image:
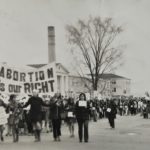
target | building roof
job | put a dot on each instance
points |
(37, 65)
(42, 65)
(112, 76)
(59, 64)
(102, 76)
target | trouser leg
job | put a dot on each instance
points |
(38, 130)
(15, 133)
(80, 129)
(34, 130)
(72, 128)
(58, 127)
(1, 132)
(112, 122)
(109, 120)
(54, 128)
(86, 134)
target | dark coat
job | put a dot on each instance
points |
(113, 112)
(70, 107)
(82, 112)
(55, 111)
(36, 104)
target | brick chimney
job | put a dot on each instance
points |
(51, 44)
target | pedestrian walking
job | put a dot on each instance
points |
(36, 104)
(56, 107)
(16, 112)
(82, 111)
(111, 113)
(70, 109)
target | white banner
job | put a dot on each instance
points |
(3, 116)
(24, 80)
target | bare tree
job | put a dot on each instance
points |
(94, 43)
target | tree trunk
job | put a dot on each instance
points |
(95, 86)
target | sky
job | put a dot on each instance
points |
(23, 32)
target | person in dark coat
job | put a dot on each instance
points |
(36, 104)
(55, 116)
(111, 113)
(82, 111)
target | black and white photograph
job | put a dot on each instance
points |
(74, 74)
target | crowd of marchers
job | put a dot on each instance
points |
(50, 115)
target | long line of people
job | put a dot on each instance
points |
(49, 114)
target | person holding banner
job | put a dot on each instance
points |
(3, 119)
(36, 104)
(70, 108)
(16, 114)
(82, 111)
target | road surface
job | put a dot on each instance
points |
(131, 133)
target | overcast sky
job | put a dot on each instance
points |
(23, 32)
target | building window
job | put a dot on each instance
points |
(113, 82)
(114, 90)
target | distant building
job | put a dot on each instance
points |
(119, 86)
(78, 84)
(110, 85)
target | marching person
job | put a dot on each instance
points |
(16, 113)
(55, 116)
(131, 106)
(36, 104)
(145, 110)
(70, 108)
(111, 113)
(120, 107)
(95, 109)
(126, 108)
(82, 111)
(2, 111)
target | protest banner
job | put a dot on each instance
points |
(3, 116)
(24, 80)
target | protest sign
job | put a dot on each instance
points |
(3, 116)
(24, 80)
(82, 104)
(70, 114)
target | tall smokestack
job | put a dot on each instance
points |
(51, 44)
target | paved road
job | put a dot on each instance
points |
(132, 132)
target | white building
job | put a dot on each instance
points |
(119, 86)
(110, 85)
